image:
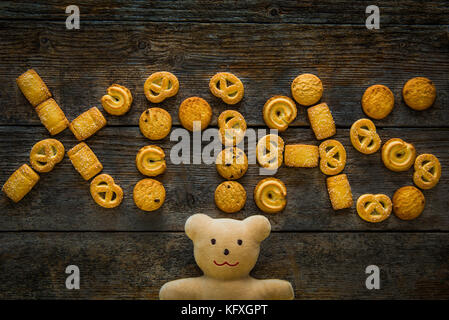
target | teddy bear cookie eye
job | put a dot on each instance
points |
(239, 242)
(212, 241)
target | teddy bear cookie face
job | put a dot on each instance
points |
(226, 249)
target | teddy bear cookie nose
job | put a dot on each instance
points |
(226, 252)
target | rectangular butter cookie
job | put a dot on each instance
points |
(33, 87)
(52, 117)
(339, 192)
(87, 123)
(321, 121)
(301, 156)
(20, 183)
(85, 161)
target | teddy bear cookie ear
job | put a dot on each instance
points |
(259, 226)
(195, 223)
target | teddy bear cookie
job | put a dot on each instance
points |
(270, 195)
(52, 116)
(227, 87)
(427, 171)
(195, 114)
(160, 85)
(117, 101)
(46, 154)
(307, 89)
(84, 161)
(33, 87)
(321, 121)
(377, 101)
(232, 163)
(87, 123)
(339, 192)
(149, 194)
(419, 93)
(155, 123)
(230, 196)
(279, 112)
(226, 250)
(374, 207)
(20, 183)
(270, 150)
(408, 203)
(364, 137)
(332, 157)
(150, 161)
(398, 155)
(301, 156)
(231, 127)
(105, 192)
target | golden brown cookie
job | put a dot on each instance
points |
(408, 203)
(117, 101)
(377, 101)
(279, 112)
(364, 137)
(84, 161)
(374, 207)
(33, 87)
(230, 196)
(195, 109)
(52, 117)
(231, 163)
(155, 123)
(321, 121)
(307, 89)
(301, 156)
(333, 157)
(149, 194)
(227, 87)
(150, 161)
(232, 127)
(427, 171)
(339, 192)
(20, 183)
(160, 85)
(419, 93)
(105, 192)
(270, 195)
(87, 123)
(46, 154)
(270, 151)
(398, 155)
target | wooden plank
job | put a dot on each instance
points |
(61, 200)
(303, 12)
(78, 66)
(136, 265)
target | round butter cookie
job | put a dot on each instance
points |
(149, 194)
(155, 123)
(230, 196)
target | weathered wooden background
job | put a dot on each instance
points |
(126, 253)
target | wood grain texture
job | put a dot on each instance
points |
(61, 200)
(78, 66)
(290, 11)
(136, 265)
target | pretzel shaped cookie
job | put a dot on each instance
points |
(374, 207)
(160, 85)
(227, 87)
(279, 112)
(427, 171)
(118, 100)
(150, 161)
(398, 155)
(105, 192)
(270, 151)
(333, 157)
(232, 127)
(270, 195)
(46, 154)
(364, 137)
